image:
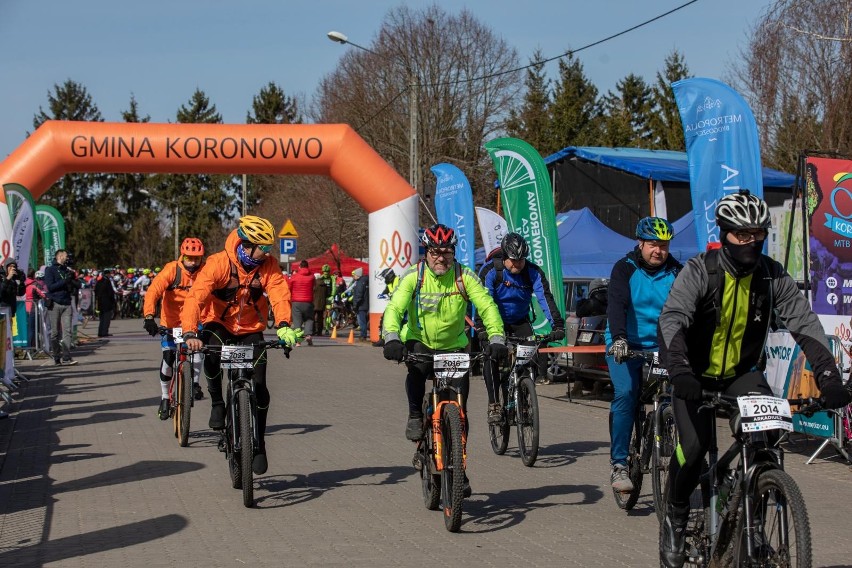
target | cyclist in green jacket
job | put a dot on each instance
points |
(434, 294)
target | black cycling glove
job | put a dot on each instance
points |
(394, 350)
(686, 387)
(151, 327)
(834, 394)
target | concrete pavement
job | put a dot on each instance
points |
(90, 477)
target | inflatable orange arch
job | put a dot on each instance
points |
(334, 150)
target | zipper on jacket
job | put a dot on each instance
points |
(730, 327)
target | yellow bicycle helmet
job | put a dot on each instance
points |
(256, 230)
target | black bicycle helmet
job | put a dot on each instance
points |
(514, 246)
(742, 210)
(439, 236)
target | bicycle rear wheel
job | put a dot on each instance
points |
(627, 500)
(499, 433)
(246, 446)
(452, 476)
(782, 535)
(665, 439)
(184, 401)
(527, 413)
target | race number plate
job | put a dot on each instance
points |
(658, 371)
(177, 334)
(585, 337)
(760, 413)
(236, 356)
(523, 353)
(451, 365)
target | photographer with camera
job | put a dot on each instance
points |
(62, 285)
(11, 284)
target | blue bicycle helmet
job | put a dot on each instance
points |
(654, 229)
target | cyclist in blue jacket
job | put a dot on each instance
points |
(638, 288)
(512, 280)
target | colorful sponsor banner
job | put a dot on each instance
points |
(829, 209)
(454, 206)
(52, 227)
(528, 198)
(790, 376)
(21, 326)
(23, 216)
(492, 227)
(393, 243)
(781, 238)
(7, 360)
(722, 148)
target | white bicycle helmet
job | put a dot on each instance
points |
(742, 210)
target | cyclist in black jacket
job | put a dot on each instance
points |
(713, 331)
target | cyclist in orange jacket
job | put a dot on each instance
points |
(230, 286)
(171, 286)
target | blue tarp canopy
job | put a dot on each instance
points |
(659, 165)
(589, 248)
(685, 243)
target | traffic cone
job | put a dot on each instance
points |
(351, 336)
(334, 332)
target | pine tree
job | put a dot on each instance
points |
(532, 120)
(272, 106)
(666, 128)
(627, 114)
(203, 202)
(575, 109)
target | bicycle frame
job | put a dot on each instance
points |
(756, 457)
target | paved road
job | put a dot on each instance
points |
(90, 477)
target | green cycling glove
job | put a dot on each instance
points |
(289, 336)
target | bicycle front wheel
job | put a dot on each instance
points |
(665, 442)
(184, 401)
(246, 444)
(452, 476)
(527, 420)
(782, 535)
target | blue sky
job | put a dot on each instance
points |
(162, 50)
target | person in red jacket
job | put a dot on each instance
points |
(302, 284)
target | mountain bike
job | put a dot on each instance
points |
(441, 455)
(239, 439)
(180, 386)
(516, 395)
(654, 436)
(751, 513)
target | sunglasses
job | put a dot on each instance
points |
(435, 253)
(264, 248)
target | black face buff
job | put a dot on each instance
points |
(744, 257)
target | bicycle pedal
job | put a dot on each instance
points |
(417, 461)
(221, 445)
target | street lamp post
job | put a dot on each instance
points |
(413, 110)
(175, 215)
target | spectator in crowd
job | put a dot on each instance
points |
(61, 285)
(35, 291)
(302, 298)
(361, 300)
(105, 299)
(322, 298)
